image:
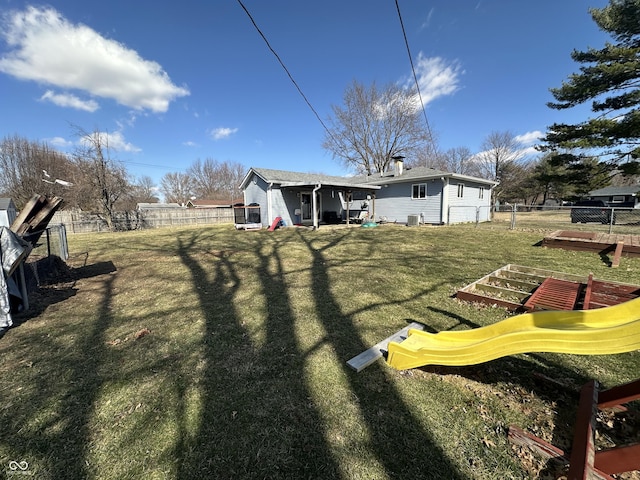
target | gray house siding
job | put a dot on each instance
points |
(256, 192)
(470, 206)
(395, 203)
(285, 201)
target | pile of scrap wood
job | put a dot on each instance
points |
(35, 216)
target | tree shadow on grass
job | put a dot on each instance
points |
(404, 447)
(258, 419)
(517, 378)
(57, 285)
(51, 430)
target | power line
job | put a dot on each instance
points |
(415, 77)
(284, 67)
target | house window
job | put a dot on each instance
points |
(419, 190)
(618, 198)
(481, 193)
(460, 190)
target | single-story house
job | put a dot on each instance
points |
(628, 196)
(412, 195)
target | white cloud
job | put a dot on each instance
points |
(529, 138)
(222, 132)
(70, 100)
(189, 143)
(117, 142)
(436, 78)
(47, 48)
(59, 142)
(529, 152)
(114, 141)
(427, 22)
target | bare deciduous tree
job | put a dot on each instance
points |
(498, 150)
(454, 160)
(216, 180)
(176, 187)
(375, 125)
(30, 168)
(145, 190)
(204, 177)
(142, 191)
(230, 176)
(103, 181)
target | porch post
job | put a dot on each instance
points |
(314, 205)
(373, 207)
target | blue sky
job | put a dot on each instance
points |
(173, 82)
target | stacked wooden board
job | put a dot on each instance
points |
(35, 216)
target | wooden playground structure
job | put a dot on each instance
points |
(585, 462)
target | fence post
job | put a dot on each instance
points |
(612, 216)
(514, 208)
(64, 246)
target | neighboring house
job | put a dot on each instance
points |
(212, 203)
(157, 206)
(8, 212)
(612, 196)
(428, 195)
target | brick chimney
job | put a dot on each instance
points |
(399, 165)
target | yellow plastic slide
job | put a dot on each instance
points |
(601, 331)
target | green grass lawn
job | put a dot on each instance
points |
(215, 353)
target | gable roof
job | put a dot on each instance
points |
(293, 179)
(423, 173)
(287, 178)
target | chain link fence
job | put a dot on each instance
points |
(52, 241)
(49, 252)
(622, 220)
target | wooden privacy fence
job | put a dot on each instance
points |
(80, 222)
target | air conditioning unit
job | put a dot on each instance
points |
(413, 220)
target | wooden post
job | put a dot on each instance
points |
(583, 448)
(617, 255)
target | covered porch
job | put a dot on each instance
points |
(315, 204)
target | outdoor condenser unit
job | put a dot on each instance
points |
(413, 220)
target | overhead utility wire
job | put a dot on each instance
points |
(283, 66)
(415, 77)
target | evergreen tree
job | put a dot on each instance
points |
(610, 79)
